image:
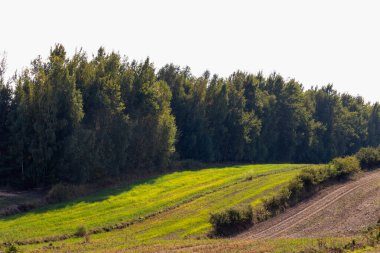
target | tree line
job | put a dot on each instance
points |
(79, 119)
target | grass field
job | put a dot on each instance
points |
(190, 245)
(194, 193)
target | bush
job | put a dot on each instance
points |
(231, 220)
(369, 158)
(346, 166)
(260, 214)
(309, 181)
(12, 249)
(62, 192)
(277, 204)
(81, 231)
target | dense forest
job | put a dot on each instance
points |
(81, 119)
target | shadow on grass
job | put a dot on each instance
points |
(125, 186)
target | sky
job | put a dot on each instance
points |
(315, 42)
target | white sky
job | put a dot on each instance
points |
(316, 42)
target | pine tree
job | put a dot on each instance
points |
(5, 111)
(374, 126)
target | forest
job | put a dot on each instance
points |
(80, 119)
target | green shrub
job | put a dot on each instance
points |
(231, 220)
(346, 166)
(296, 189)
(81, 231)
(369, 158)
(278, 203)
(12, 249)
(308, 182)
(305, 185)
(260, 214)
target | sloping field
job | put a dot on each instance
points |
(341, 210)
(181, 201)
(337, 214)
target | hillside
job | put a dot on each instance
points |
(178, 204)
(170, 214)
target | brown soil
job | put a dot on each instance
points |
(339, 210)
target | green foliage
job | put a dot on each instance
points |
(5, 130)
(154, 129)
(276, 204)
(305, 184)
(231, 220)
(302, 186)
(374, 126)
(308, 182)
(346, 166)
(189, 108)
(78, 120)
(48, 110)
(12, 249)
(81, 231)
(369, 158)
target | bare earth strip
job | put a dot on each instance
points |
(340, 210)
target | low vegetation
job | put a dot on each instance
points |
(175, 207)
(231, 220)
(304, 185)
(369, 158)
(309, 181)
(187, 196)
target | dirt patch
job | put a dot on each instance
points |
(340, 210)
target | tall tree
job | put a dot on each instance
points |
(154, 129)
(99, 147)
(189, 109)
(80, 120)
(5, 111)
(49, 110)
(374, 126)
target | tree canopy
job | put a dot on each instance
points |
(75, 119)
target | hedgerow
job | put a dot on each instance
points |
(369, 158)
(308, 182)
(231, 220)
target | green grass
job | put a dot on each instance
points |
(190, 245)
(209, 190)
(191, 219)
